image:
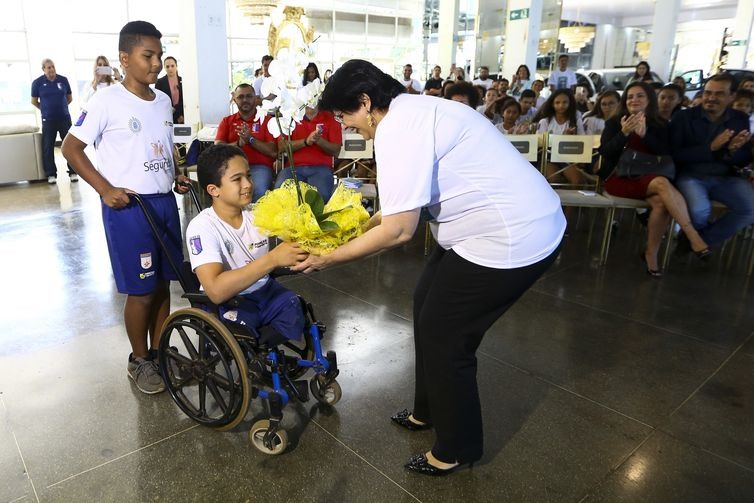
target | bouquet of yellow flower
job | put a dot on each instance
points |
(319, 228)
(296, 211)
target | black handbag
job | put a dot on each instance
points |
(633, 163)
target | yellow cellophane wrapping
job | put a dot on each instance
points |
(277, 213)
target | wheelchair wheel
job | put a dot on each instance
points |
(328, 394)
(257, 433)
(204, 369)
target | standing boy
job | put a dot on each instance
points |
(131, 127)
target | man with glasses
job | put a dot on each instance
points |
(711, 143)
(253, 137)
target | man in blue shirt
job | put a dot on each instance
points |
(711, 143)
(51, 94)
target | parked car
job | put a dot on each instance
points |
(614, 79)
(695, 79)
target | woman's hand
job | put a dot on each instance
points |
(628, 124)
(570, 130)
(641, 125)
(311, 264)
(287, 254)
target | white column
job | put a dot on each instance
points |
(447, 37)
(204, 62)
(522, 35)
(663, 36)
(742, 30)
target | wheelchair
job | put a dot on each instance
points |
(213, 367)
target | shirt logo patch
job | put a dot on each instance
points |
(81, 118)
(228, 246)
(195, 243)
(146, 275)
(146, 260)
(134, 125)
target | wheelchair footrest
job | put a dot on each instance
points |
(300, 390)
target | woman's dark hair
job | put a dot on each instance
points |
(354, 79)
(304, 80)
(651, 113)
(465, 89)
(528, 73)
(170, 57)
(213, 161)
(548, 109)
(647, 76)
(597, 109)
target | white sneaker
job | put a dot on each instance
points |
(52, 180)
(73, 177)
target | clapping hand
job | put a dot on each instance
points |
(242, 131)
(633, 124)
(739, 140)
(721, 139)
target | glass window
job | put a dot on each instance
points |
(165, 14)
(13, 16)
(96, 16)
(15, 86)
(13, 46)
(90, 45)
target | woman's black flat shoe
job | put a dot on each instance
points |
(420, 464)
(402, 419)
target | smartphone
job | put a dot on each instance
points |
(255, 127)
(320, 128)
(104, 70)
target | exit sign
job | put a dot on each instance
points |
(734, 43)
(519, 14)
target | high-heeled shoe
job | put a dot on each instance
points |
(655, 273)
(420, 464)
(703, 255)
(402, 419)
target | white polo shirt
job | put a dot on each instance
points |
(133, 138)
(489, 204)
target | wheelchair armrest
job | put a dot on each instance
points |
(198, 297)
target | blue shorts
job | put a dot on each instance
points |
(138, 261)
(272, 305)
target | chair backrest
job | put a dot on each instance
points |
(570, 148)
(526, 144)
(183, 133)
(356, 147)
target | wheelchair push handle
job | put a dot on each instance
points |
(194, 196)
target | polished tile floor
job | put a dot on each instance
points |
(601, 384)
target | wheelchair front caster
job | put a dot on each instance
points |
(328, 393)
(278, 442)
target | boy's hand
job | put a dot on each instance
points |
(288, 254)
(116, 198)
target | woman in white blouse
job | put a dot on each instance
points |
(498, 224)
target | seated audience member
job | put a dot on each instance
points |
(459, 74)
(583, 105)
(482, 92)
(445, 86)
(537, 86)
(710, 144)
(412, 85)
(463, 92)
(315, 142)
(669, 100)
(503, 87)
(678, 81)
(433, 86)
(559, 116)
(484, 79)
(521, 81)
(527, 100)
(744, 102)
(242, 129)
(605, 107)
(747, 84)
(510, 111)
(696, 100)
(490, 97)
(642, 73)
(242, 270)
(638, 126)
(311, 72)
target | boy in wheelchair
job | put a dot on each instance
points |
(232, 259)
